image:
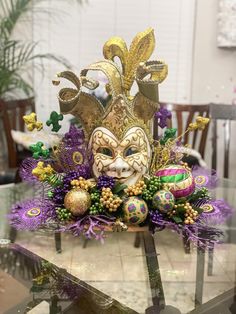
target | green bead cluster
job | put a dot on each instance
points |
(153, 185)
(205, 193)
(96, 207)
(63, 214)
(147, 195)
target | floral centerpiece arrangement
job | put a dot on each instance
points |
(110, 174)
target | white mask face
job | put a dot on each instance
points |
(126, 160)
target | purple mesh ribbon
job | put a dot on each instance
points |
(215, 211)
(204, 177)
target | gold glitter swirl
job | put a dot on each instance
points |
(33, 212)
(77, 158)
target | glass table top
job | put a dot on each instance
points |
(129, 273)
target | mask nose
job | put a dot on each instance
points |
(119, 166)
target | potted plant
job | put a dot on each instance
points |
(17, 61)
(17, 55)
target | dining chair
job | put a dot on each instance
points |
(182, 116)
(11, 118)
(226, 114)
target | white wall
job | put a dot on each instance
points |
(214, 72)
(79, 36)
(214, 69)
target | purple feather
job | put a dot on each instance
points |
(214, 211)
(204, 177)
(31, 214)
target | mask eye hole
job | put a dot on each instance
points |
(131, 151)
(105, 151)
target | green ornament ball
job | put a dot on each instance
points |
(163, 201)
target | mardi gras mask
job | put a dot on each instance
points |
(127, 160)
(118, 133)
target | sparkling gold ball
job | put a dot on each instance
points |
(77, 201)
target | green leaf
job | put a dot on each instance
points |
(119, 187)
(198, 209)
(180, 210)
(177, 219)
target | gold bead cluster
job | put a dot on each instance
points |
(136, 189)
(81, 183)
(42, 172)
(186, 166)
(190, 215)
(172, 212)
(109, 201)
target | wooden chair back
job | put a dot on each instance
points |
(11, 114)
(182, 116)
(227, 113)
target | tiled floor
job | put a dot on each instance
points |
(119, 269)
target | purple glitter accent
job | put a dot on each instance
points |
(105, 182)
(143, 208)
(157, 198)
(162, 115)
(90, 226)
(209, 175)
(168, 196)
(20, 216)
(221, 211)
(74, 137)
(131, 208)
(83, 171)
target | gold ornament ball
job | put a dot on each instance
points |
(77, 201)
